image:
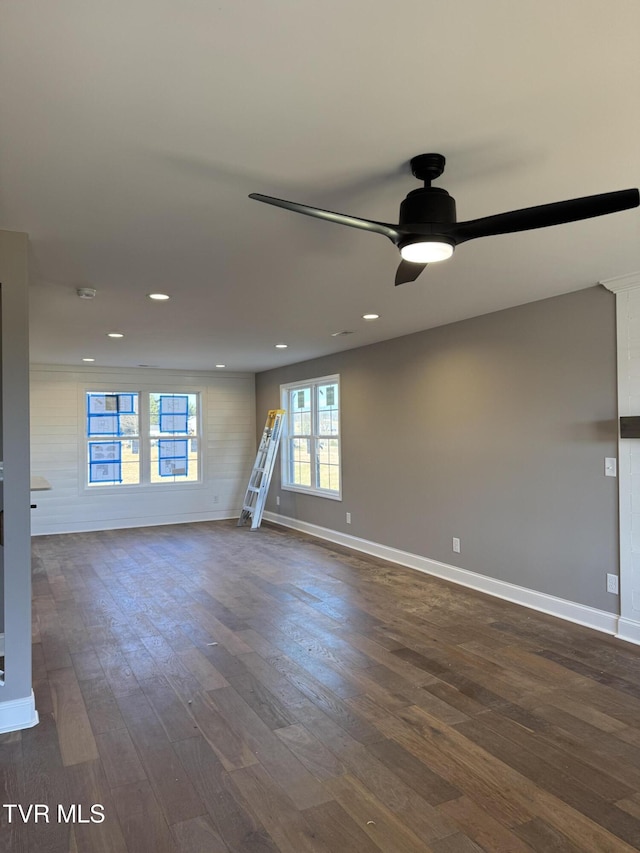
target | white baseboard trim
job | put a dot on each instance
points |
(126, 523)
(629, 630)
(590, 617)
(16, 714)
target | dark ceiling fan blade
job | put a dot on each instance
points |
(408, 271)
(545, 215)
(339, 218)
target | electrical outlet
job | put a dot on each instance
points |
(612, 584)
(277, 500)
(456, 544)
(348, 518)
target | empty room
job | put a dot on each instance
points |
(319, 426)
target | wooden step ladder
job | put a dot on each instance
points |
(256, 494)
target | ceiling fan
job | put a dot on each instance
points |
(428, 231)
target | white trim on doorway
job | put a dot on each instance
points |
(16, 714)
(627, 292)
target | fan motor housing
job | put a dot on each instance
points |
(426, 205)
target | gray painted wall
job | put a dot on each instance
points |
(495, 430)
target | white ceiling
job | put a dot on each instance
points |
(133, 130)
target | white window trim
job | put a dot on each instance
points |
(143, 391)
(284, 444)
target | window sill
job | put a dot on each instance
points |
(141, 487)
(316, 493)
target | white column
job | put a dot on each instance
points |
(627, 291)
(17, 706)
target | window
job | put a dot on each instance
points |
(173, 434)
(136, 438)
(311, 447)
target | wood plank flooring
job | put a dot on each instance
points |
(218, 690)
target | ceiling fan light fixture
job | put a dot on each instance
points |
(426, 251)
(428, 230)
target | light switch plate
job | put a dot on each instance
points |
(610, 466)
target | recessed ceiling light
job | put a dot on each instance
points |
(160, 297)
(370, 316)
(86, 292)
(281, 346)
(88, 359)
(115, 335)
(221, 365)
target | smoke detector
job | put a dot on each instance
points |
(86, 292)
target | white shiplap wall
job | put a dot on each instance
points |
(57, 450)
(627, 290)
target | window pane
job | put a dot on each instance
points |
(301, 423)
(328, 423)
(299, 399)
(300, 461)
(328, 464)
(112, 463)
(129, 424)
(173, 414)
(112, 413)
(174, 460)
(131, 461)
(300, 411)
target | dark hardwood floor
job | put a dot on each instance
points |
(217, 690)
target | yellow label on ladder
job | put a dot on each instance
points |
(271, 417)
